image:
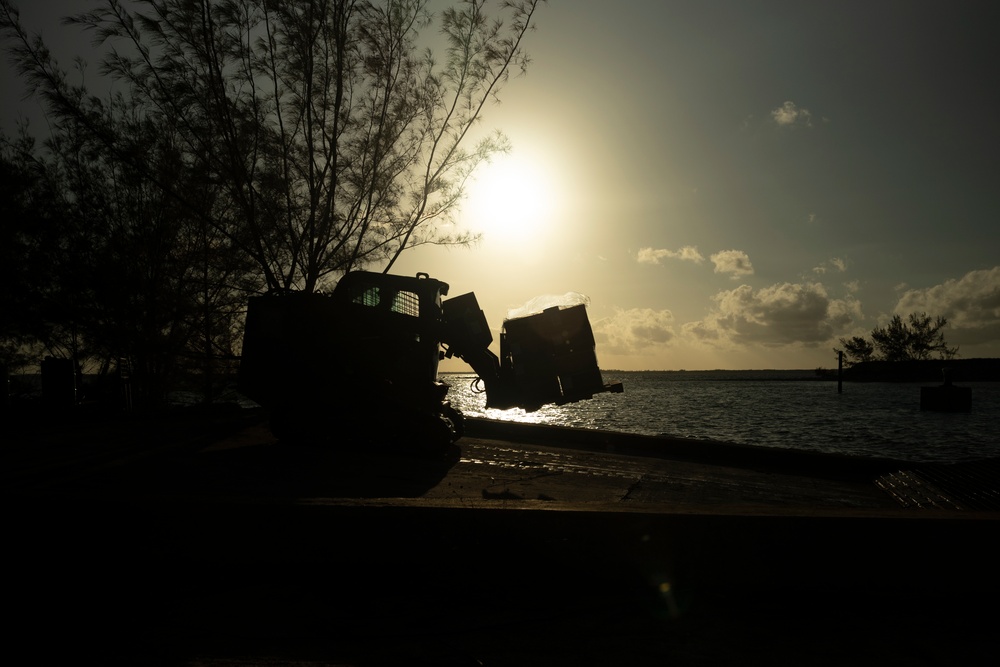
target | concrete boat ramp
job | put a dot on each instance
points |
(527, 546)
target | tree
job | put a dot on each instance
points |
(30, 229)
(332, 139)
(112, 277)
(919, 338)
(251, 145)
(927, 339)
(110, 271)
(857, 349)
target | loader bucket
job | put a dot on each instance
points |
(550, 357)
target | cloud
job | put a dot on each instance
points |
(654, 255)
(833, 264)
(629, 331)
(734, 262)
(789, 115)
(971, 304)
(702, 330)
(781, 314)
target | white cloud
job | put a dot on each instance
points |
(971, 304)
(833, 264)
(781, 314)
(735, 262)
(629, 331)
(654, 255)
(789, 115)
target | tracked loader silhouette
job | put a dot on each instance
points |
(362, 362)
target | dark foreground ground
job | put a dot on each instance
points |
(201, 541)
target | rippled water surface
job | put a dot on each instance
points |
(773, 409)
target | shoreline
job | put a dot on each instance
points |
(698, 450)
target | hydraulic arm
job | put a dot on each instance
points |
(546, 357)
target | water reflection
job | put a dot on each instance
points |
(867, 419)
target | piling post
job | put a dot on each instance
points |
(840, 371)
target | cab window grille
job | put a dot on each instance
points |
(367, 297)
(407, 303)
(402, 302)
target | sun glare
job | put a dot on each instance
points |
(511, 200)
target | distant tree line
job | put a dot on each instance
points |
(920, 337)
(250, 145)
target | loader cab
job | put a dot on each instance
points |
(392, 324)
(366, 355)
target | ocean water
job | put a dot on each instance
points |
(788, 409)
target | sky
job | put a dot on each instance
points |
(739, 183)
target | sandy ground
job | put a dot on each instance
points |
(207, 543)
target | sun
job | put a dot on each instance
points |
(511, 200)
